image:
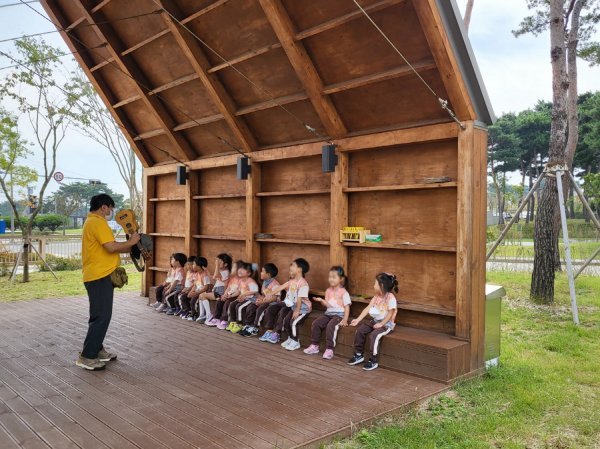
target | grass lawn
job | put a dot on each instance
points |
(43, 285)
(544, 394)
(579, 250)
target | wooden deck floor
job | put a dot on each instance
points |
(176, 384)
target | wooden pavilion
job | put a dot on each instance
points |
(198, 83)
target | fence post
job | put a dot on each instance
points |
(42, 247)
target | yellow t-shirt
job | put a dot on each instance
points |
(97, 262)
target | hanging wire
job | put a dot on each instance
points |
(59, 29)
(18, 4)
(443, 103)
(47, 59)
(264, 90)
(145, 88)
(81, 102)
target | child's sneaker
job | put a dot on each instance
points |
(244, 332)
(156, 304)
(184, 316)
(200, 320)
(273, 338)
(253, 331)
(370, 365)
(287, 342)
(170, 311)
(328, 354)
(312, 349)
(236, 328)
(293, 345)
(356, 359)
(177, 311)
(229, 326)
(265, 336)
(190, 317)
(161, 307)
(222, 325)
(213, 323)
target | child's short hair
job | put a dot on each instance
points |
(180, 257)
(191, 259)
(245, 265)
(342, 274)
(303, 264)
(201, 261)
(239, 264)
(387, 282)
(271, 269)
(226, 258)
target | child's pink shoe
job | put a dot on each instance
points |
(312, 349)
(328, 354)
(212, 323)
(222, 325)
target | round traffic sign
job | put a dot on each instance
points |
(58, 176)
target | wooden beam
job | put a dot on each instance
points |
(148, 225)
(356, 14)
(445, 59)
(304, 68)
(101, 87)
(150, 134)
(464, 231)
(198, 122)
(338, 253)
(181, 148)
(276, 102)
(244, 57)
(253, 213)
(191, 212)
(204, 10)
(217, 93)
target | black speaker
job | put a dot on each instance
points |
(329, 159)
(181, 175)
(243, 167)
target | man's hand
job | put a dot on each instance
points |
(134, 238)
(122, 247)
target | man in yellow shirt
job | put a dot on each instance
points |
(100, 255)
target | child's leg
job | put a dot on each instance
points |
(272, 314)
(220, 306)
(170, 299)
(249, 314)
(285, 314)
(205, 312)
(295, 324)
(363, 331)
(159, 293)
(375, 340)
(331, 332)
(317, 328)
(193, 300)
(260, 314)
(185, 302)
(231, 310)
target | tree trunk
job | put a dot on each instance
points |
(468, 12)
(571, 202)
(26, 243)
(542, 279)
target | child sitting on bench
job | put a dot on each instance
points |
(224, 301)
(256, 310)
(382, 310)
(169, 294)
(297, 306)
(248, 289)
(337, 301)
(220, 279)
(188, 285)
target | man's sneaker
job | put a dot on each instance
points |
(370, 365)
(170, 311)
(90, 364)
(161, 307)
(287, 342)
(293, 345)
(358, 358)
(312, 349)
(222, 325)
(265, 336)
(273, 338)
(236, 328)
(253, 331)
(105, 356)
(328, 354)
(213, 323)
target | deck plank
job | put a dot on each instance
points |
(176, 384)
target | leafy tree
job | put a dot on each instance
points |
(591, 186)
(70, 198)
(48, 105)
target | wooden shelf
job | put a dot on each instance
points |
(154, 200)
(294, 241)
(440, 185)
(162, 270)
(219, 197)
(165, 234)
(295, 192)
(405, 246)
(218, 237)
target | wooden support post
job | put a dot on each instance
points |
(253, 213)
(338, 254)
(191, 213)
(149, 189)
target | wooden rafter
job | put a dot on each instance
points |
(181, 148)
(443, 54)
(304, 68)
(101, 87)
(220, 97)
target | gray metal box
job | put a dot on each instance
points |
(493, 304)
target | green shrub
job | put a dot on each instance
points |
(61, 263)
(50, 221)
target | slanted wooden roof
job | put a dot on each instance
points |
(208, 77)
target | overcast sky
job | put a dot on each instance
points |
(516, 73)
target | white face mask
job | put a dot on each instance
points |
(110, 215)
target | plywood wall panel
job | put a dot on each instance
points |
(296, 217)
(170, 217)
(166, 187)
(288, 175)
(225, 217)
(426, 217)
(164, 247)
(403, 165)
(211, 248)
(221, 181)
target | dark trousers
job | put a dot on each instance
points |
(259, 313)
(159, 293)
(329, 323)
(185, 302)
(287, 322)
(100, 293)
(236, 309)
(222, 312)
(193, 301)
(272, 314)
(366, 333)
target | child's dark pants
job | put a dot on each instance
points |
(366, 332)
(329, 323)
